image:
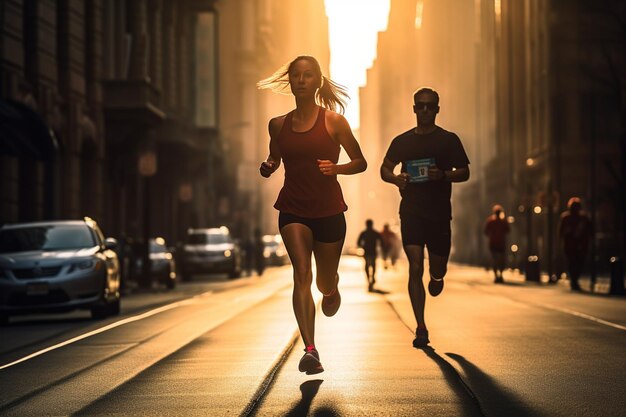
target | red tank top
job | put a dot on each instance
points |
(306, 191)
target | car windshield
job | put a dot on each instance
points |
(47, 238)
(156, 247)
(207, 238)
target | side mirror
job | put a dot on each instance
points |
(110, 243)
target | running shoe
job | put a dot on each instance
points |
(332, 301)
(310, 362)
(435, 286)
(421, 338)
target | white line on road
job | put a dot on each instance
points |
(581, 315)
(109, 327)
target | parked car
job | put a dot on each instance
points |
(274, 250)
(57, 266)
(210, 250)
(162, 264)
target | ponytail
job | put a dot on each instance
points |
(330, 95)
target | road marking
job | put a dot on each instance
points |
(119, 323)
(582, 315)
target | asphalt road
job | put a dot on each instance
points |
(219, 347)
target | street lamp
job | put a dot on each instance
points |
(147, 167)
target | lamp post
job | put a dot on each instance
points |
(147, 167)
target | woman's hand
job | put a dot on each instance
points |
(267, 168)
(327, 167)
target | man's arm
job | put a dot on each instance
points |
(453, 175)
(458, 175)
(387, 175)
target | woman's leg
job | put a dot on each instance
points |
(298, 240)
(327, 256)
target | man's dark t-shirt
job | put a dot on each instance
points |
(428, 199)
(368, 239)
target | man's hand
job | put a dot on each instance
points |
(402, 180)
(435, 173)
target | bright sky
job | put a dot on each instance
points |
(353, 27)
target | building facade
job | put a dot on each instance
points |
(535, 89)
(123, 133)
(148, 114)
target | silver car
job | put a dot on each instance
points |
(210, 250)
(162, 263)
(57, 266)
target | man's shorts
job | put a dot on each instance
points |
(433, 234)
(325, 229)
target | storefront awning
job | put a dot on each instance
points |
(23, 133)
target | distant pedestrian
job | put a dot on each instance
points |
(369, 240)
(496, 229)
(311, 219)
(575, 231)
(389, 246)
(432, 159)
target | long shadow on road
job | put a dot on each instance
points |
(501, 400)
(468, 400)
(309, 390)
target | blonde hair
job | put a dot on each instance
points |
(329, 95)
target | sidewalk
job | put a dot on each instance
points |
(602, 285)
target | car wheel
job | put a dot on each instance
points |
(185, 276)
(235, 273)
(99, 311)
(170, 283)
(105, 308)
(114, 308)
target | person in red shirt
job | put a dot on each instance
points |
(311, 205)
(390, 246)
(496, 229)
(575, 231)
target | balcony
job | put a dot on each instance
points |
(130, 99)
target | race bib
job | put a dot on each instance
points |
(418, 169)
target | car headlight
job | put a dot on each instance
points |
(83, 265)
(227, 253)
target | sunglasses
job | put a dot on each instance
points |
(421, 105)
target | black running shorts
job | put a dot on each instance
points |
(325, 229)
(433, 234)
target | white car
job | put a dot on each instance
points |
(274, 250)
(57, 266)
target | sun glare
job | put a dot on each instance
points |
(353, 27)
(419, 12)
